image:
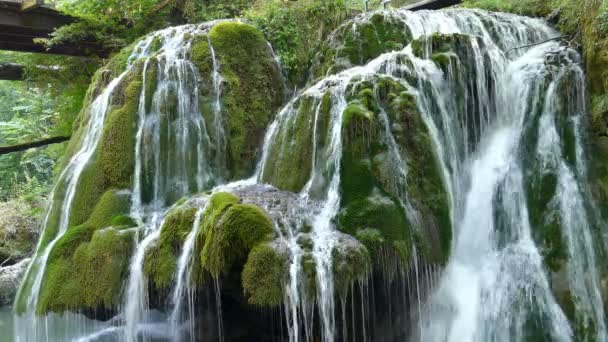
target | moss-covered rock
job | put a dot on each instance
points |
(86, 266)
(360, 40)
(160, 261)
(373, 190)
(265, 273)
(350, 262)
(253, 90)
(232, 235)
(86, 270)
(113, 163)
(289, 163)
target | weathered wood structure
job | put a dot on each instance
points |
(22, 21)
(431, 4)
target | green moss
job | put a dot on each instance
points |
(290, 157)
(350, 262)
(376, 212)
(442, 60)
(110, 205)
(230, 239)
(309, 273)
(113, 163)
(200, 55)
(253, 90)
(160, 261)
(356, 110)
(545, 221)
(358, 42)
(123, 221)
(156, 44)
(85, 270)
(151, 82)
(265, 275)
(119, 61)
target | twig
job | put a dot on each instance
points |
(6, 260)
(539, 43)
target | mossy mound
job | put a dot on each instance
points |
(289, 164)
(160, 261)
(231, 234)
(373, 192)
(232, 237)
(252, 89)
(87, 266)
(360, 40)
(350, 263)
(265, 274)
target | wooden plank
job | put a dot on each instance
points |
(432, 5)
(39, 19)
(19, 29)
(28, 5)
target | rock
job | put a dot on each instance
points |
(553, 17)
(10, 277)
(18, 231)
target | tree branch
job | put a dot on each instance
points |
(32, 144)
(539, 43)
(160, 6)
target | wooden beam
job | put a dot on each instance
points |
(432, 5)
(32, 144)
(28, 5)
(18, 29)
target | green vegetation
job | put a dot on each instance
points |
(297, 29)
(86, 266)
(264, 275)
(112, 165)
(358, 42)
(229, 239)
(370, 189)
(290, 157)
(254, 90)
(160, 261)
(351, 262)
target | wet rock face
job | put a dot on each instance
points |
(18, 231)
(10, 277)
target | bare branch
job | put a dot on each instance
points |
(32, 144)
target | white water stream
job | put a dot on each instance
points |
(481, 112)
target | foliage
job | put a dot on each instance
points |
(45, 104)
(297, 29)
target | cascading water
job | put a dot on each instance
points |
(29, 327)
(505, 125)
(167, 166)
(477, 107)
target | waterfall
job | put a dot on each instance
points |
(471, 131)
(68, 181)
(183, 272)
(171, 154)
(478, 109)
